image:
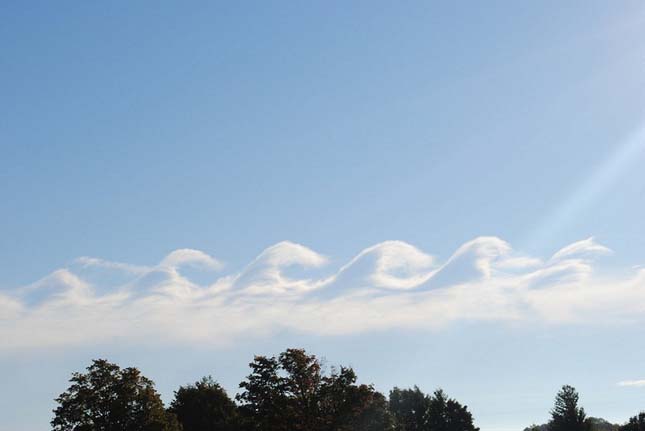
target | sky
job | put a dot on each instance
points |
(445, 194)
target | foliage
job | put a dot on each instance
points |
(447, 414)
(263, 400)
(204, 406)
(108, 398)
(635, 423)
(290, 393)
(600, 424)
(346, 406)
(566, 415)
(415, 411)
(409, 408)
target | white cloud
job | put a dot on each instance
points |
(89, 262)
(60, 286)
(519, 262)
(265, 275)
(190, 257)
(291, 287)
(9, 308)
(582, 248)
(629, 383)
(390, 264)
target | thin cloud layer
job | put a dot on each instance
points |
(291, 287)
(632, 383)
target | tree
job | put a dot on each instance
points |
(204, 406)
(566, 415)
(409, 408)
(600, 424)
(263, 399)
(595, 424)
(415, 411)
(447, 414)
(302, 387)
(346, 406)
(290, 393)
(635, 423)
(374, 415)
(108, 398)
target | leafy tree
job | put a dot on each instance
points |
(290, 393)
(447, 414)
(566, 415)
(635, 423)
(346, 406)
(374, 414)
(415, 411)
(600, 424)
(409, 408)
(264, 400)
(108, 398)
(595, 424)
(204, 406)
(301, 388)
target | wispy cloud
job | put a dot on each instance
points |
(632, 383)
(291, 287)
(190, 257)
(89, 262)
(581, 248)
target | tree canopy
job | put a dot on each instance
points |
(566, 415)
(108, 398)
(415, 411)
(204, 405)
(288, 392)
(409, 408)
(635, 423)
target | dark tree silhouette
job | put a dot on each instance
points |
(289, 393)
(447, 414)
(415, 411)
(301, 388)
(635, 423)
(108, 398)
(409, 408)
(595, 424)
(346, 406)
(263, 398)
(374, 415)
(566, 415)
(204, 406)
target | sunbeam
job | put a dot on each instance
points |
(626, 157)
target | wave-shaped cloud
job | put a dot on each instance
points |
(389, 285)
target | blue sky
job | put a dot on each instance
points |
(165, 153)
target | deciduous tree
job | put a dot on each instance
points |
(108, 398)
(447, 414)
(290, 393)
(204, 406)
(635, 423)
(409, 408)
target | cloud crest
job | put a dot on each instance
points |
(392, 284)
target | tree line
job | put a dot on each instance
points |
(288, 392)
(567, 415)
